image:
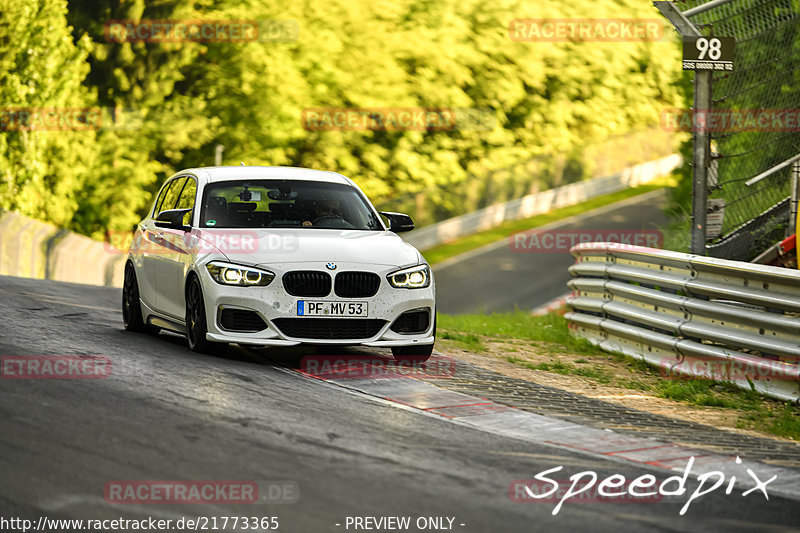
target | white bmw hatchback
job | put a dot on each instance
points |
(277, 256)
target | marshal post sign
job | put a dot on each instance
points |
(708, 53)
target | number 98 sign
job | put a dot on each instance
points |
(708, 53)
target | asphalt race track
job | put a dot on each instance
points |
(165, 413)
(499, 277)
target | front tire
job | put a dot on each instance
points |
(131, 306)
(414, 353)
(196, 325)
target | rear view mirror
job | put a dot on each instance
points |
(250, 196)
(172, 219)
(398, 222)
(282, 196)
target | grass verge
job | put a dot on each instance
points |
(437, 254)
(542, 343)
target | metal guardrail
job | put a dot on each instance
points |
(691, 315)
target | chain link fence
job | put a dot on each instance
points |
(756, 107)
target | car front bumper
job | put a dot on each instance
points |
(273, 302)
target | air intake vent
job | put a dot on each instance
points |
(329, 328)
(416, 321)
(241, 320)
(307, 283)
(356, 284)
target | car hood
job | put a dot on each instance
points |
(280, 246)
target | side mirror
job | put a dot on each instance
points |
(398, 222)
(172, 219)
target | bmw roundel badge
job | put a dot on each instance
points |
(331, 266)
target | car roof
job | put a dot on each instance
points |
(216, 174)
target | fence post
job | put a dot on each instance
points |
(791, 227)
(700, 161)
(701, 147)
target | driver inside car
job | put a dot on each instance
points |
(323, 209)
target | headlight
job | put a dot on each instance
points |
(230, 274)
(417, 277)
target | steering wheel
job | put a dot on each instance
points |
(326, 218)
(331, 221)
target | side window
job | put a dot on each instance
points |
(171, 196)
(164, 190)
(186, 200)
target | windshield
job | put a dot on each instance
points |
(285, 204)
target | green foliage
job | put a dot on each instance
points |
(140, 80)
(42, 172)
(786, 423)
(549, 328)
(466, 341)
(695, 391)
(549, 101)
(597, 373)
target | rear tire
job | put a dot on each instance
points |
(196, 325)
(131, 306)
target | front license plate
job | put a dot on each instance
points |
(308, 308)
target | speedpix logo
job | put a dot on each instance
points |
(588, 487)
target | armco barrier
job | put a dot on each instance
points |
(691, 315)
(34, 249)
(541, 202)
